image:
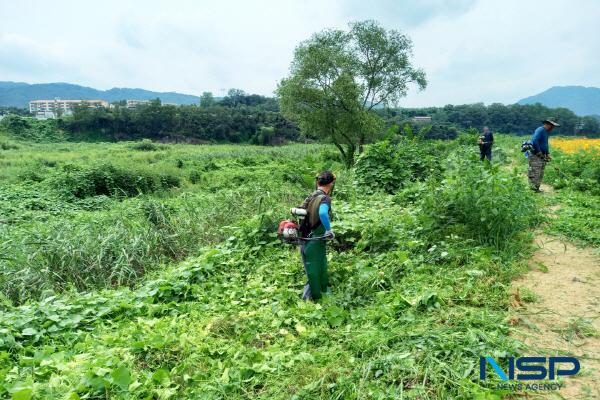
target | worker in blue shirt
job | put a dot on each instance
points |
(541, 153)
(317, 225)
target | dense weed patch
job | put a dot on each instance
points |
(109, 180)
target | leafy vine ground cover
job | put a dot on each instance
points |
(184, 292)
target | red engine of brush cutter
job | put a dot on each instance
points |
(288, 231)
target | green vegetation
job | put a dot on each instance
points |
(152, 271)
(140, 266)
(4, 110)
(577, 217)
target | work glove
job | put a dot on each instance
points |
(329, 235)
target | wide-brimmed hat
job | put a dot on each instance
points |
(550, 121)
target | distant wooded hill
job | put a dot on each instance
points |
(579, 99)
(19, 94)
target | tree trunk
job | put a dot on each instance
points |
(349, 158)
(348, 152)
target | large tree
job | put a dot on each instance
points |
(338, 77)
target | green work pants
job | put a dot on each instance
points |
(315, 264)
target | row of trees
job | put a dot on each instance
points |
(514, 118)
(240, 119)
(13, 111)
(256, 119)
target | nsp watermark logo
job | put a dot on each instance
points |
(531, 368)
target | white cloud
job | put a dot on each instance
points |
(22, 56)
(471, 50)
(503, 51)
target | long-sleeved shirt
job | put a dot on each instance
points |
(324, 216)
(487, 140)
(540, 141)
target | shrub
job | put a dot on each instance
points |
(388, 167)
(330, 155)
(195, 176)
(144, 145)
(467, 138)
(210, 165)
(479, 201)
(15, 125)
(375, 225)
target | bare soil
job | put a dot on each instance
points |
(556, 309)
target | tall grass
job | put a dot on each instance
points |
(69, 225)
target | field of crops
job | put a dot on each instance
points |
(148, 271)
(571, 146)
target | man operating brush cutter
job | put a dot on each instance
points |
(312, 233)
(540, 153)
(486, 141)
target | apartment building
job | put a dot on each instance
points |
(131, 104)
(421, 120)
(58, 107)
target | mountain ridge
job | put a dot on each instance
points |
(19, 94)
(582, 100)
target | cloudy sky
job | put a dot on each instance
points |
(472, 51)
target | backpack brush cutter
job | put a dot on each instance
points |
(289, 230)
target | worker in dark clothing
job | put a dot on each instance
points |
(485, 144)
(541, 154)
(317, 224)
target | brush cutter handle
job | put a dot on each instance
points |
(324, 237)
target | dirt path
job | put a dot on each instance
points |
(556, 309)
